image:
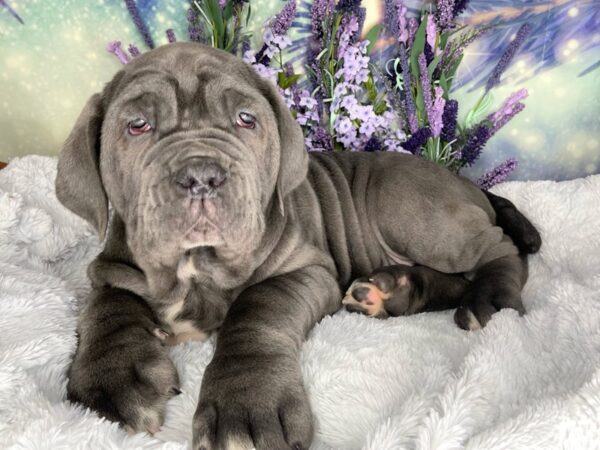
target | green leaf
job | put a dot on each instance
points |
(444, 39)
(418, 46)
(475, 115)
(249, 14)
(380, 108)
(432, 66)
(444, 85)
(372, 36)
(284, 81)
(215, 14)
(228, 10)
(420, 105)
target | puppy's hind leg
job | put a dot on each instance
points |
(522, 232)
(497, 284)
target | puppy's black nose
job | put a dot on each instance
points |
(201, 179)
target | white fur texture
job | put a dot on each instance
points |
(404, 383)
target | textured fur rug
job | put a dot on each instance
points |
(405, 383)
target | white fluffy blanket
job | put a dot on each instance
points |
(404, 383)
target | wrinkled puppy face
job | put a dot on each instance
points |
(188, 164)
(194, 150)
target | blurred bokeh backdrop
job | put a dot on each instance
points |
(53, 57)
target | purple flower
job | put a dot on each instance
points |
(508, 105)
(134, 12)
(282, 21)
(347, 6)
(133, 50)
(390, 16)
(459, 7)
(246, 45)
(195, 30)
(115, 48)
(413, 26)
(417, 140)
(395, 19)
(449, 118)
(319, 13)
(343, 125)
(431, 32)
(497, 174)
(410, 104)
(373, 144)
(425, 87)
(222, 3)
(171, 35)
(445, 14)
(437, 111)
(507, 57)
(475, 143)
(321, 140)
(507, 118)
(288, 69)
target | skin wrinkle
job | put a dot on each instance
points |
(295, 230)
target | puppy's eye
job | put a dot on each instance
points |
(246, 120)
(138, 126)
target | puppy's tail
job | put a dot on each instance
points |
(525, 236)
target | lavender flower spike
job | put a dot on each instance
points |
(171, 36)
(134, 12)
(390, 16)
(195, 30)
(115, 48)
(436, 113)
(283, 21)
(507, 57)
(416, 141)
(472, 149)
(403, 33)
(431, 32)
(133, 50)
(459, 7)
(413, 26)
(395, 20)
(449, 118)
(425, 86)
(445, 14)
(319, 11)
(506, 118)
(497, 174)
(410, 103)
(514, 99)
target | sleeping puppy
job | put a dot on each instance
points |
(402, 290)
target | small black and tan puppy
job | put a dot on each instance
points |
(402, 290)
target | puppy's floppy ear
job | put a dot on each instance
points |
(293, 164)
(78, 183)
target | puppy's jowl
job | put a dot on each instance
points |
(223, 223)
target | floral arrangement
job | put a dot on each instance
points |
(345, 102)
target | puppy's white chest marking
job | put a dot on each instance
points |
(181, 330)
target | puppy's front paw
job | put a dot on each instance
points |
(253, 403)
(121, 368)
(129, 383)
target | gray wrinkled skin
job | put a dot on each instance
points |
(262, 261)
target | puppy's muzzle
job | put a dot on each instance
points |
(200, 178)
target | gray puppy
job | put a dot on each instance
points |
(222, 221)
